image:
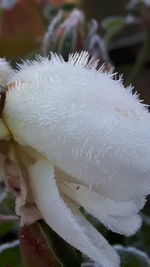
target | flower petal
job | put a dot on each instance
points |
(120, 217)
(5, 71)
(92, 127)
(17, 182)
(74, 228)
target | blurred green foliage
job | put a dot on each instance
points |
(10, 255)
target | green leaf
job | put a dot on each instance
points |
(134, 3)
(7, 206)
(132, 257)
(10, 255)
(7, 209)
(112, 25)
(6, 227)
(113, 22)
(68, 7)
(65, 253)
(141, 239)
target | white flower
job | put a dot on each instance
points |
(5, 71)
(92, 137)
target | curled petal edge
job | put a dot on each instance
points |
(70, 224)
(120, 217)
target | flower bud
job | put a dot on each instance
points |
(74, 34)
(92, 137)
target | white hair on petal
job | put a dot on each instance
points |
(56, 58)
(82, 60)
(79, 59)
(5, 71)
(76, 59)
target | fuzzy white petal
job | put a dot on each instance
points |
(70, 225)
(5, 71)
(120, 217)
(88, 124)
(80, 193)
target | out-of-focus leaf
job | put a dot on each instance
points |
(88, 262)
(113, 22)
(6, 227)
(67, 255)
(113, 26)
(10, 255)
(132, 257)
(141, 239)
(122, 31)
(69, 6)
(7, 206)
(40, 246)
(134, 3)
(8, 220)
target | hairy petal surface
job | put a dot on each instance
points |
(90, 126)
(5, 71)
(68, 223)
(120, 217)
